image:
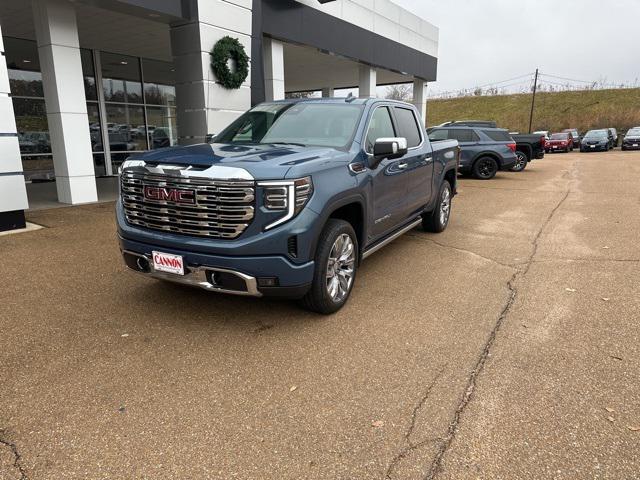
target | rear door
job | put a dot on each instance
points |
(418, 162)
(469, 142)
(389, 178)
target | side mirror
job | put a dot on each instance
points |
(388, 148)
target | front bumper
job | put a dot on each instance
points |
(595, 148)
(248, 276)
(635, 145)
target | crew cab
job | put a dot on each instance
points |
(287, 200)
(560, 142)
(483, 151)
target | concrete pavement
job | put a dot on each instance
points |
(506, 347)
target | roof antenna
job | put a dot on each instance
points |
(350, 98)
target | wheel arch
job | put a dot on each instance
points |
(352, 210)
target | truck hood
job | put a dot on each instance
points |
(264, 161)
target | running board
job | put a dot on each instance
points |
(390, 239)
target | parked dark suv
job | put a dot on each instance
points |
(483, 151)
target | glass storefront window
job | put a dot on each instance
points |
(126, 127)
(89, 75)
(162, 127)
(33, 137)
(23, 64)
(121, 79)
(159, 82)
(139, 106)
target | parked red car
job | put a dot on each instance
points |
(560, 142)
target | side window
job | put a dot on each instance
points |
(437, 135)
(408, 126)
(380, 126)
(463, 135)
(498, 135)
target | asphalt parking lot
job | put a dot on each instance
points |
(506, 347)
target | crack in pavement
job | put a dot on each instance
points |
(407, 436)
(436, 463)
(17, 458)
(462, 250)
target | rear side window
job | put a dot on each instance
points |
(408, 126)
(498, 135)
(463, 135)
(380, 126)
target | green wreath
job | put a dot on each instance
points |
(230, 48)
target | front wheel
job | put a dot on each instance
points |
(521, 162)
(485, 168)
(437, 220)
(336, 263)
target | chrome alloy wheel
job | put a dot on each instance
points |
(521, 161)
(340, 267)
(445, 206)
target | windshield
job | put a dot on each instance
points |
(596, 134)
(634, 132)
(319, 124)
(559, 136)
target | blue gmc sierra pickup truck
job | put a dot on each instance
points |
(287, 200)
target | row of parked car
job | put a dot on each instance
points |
(486, 149)
(594, 140)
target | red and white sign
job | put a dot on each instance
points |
(166, 262)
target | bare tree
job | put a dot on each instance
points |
(402, 92)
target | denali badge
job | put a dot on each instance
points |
(175, 195)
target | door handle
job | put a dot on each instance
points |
(403, 165)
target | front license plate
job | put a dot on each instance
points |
(168, 263)
(635, 145)
(593, 146)
(555, 148)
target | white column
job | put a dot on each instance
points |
(328, 92)
(420, 98)
(204, 106)
(13, 194)
(273, 69)
(368, 79)
(59, 53)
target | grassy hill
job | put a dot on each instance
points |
(553, 111)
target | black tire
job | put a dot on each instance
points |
(521, 162)
(433, 221)
(485, 168)
(318, 299)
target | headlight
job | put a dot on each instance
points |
(287, 196)
(130, 163)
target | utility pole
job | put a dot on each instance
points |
(533, 100)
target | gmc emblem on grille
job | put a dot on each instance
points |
(175, 195)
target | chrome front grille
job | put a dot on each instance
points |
(216, 208)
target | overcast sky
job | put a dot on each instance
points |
(484, 41)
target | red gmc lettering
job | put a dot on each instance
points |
(170, 194)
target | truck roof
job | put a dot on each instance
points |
(351, 100)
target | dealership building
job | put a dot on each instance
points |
(84, 83)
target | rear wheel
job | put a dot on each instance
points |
(521, 162)
(485, 168)
(437, 220)
(336, 264)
